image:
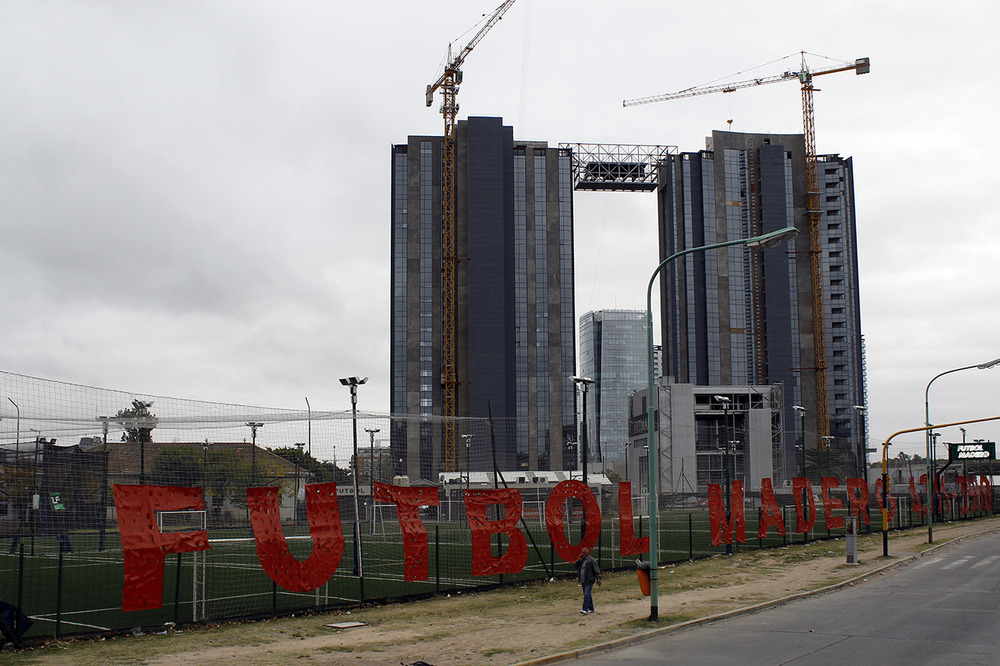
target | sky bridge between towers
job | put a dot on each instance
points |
(616, 167)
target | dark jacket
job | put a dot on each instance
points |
(588, 570)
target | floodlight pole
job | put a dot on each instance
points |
(353, 383)
(371, 471)
(765, 240)
(584, 383)
(253, 425)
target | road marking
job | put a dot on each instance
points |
(931, 560)
(986, 561)
(957, 563)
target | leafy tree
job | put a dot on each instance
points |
(227, 475)
(824, 461)
(16, 485)
(138, 422)
(319, 471)
(178, 466)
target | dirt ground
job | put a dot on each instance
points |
(512, 625)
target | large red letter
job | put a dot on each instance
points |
(630, 544)
(892, 500)
(408, 502)
(770, 513)
(735, 527)
(802, 524)
(272, 548)
(143, 544)
(554, 520)
(963, 490)
(918, 506)
(829, 504)
(483, 561)
(857, 495)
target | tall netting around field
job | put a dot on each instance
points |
(64, 449)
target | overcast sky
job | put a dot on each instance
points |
(194, 195)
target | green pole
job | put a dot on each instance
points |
(652, 448)
(59, 586)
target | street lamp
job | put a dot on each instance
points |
(725, 461)
(931, 463)
(861, 450)
(204, 463)
(300, 461)
(584, 384)
(627, 476)
(802, 434)
(253, 451)
(371, 471)
(468, 462)
(353, 383)
(371, 454)
(766, 240)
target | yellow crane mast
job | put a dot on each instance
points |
(805, 77)
(448, 83)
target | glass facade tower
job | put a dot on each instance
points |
(613, 353)
(515, 310)
(737, 316)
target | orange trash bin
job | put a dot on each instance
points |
(642, 571)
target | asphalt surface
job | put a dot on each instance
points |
(943, 608)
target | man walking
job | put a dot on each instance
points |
(589, 573)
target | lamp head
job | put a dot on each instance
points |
(988, 364)
(353, 381)
(861, 408)
(720, 398)
(799, 408)
(583, 380)
(773, 238)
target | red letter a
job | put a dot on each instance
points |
(770, 512)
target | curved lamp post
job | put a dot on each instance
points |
(765, 240)
(885, 468)
(931, 463)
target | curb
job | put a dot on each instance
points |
(652, 634)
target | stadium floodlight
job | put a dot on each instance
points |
(353, 383)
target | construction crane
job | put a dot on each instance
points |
(448, 84)
(805, 77)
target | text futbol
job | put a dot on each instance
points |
(145, 546)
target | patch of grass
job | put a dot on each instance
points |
(495, 651)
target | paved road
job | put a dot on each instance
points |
(941, 609)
